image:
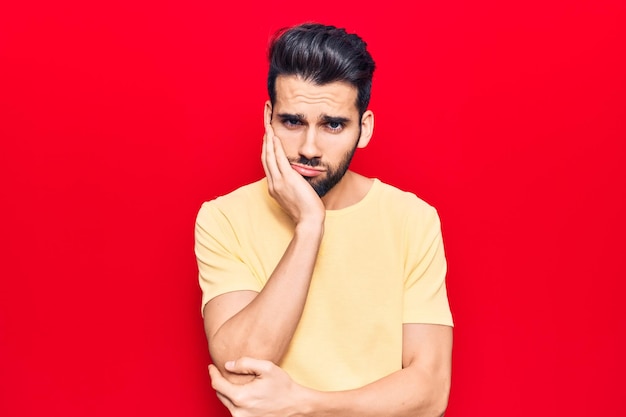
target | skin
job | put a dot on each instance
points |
(321, 124)
(249, 332)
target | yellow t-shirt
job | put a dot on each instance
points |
(381, 264)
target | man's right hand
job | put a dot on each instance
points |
(294, 194)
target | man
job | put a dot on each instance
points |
(323, 290)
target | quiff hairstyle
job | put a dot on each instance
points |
(321, 54)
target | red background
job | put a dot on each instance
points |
(117, 120)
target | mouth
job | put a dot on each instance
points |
(307, 171)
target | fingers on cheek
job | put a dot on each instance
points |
(225, 401)
(235, 399)
(277, 186)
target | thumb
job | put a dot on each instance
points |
(213, 371)
(218, 382)
(249, 366)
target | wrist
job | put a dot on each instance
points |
(308, 402)
(311, 227)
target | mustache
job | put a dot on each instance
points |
(313, 162)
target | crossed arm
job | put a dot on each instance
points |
(248, 332)
(419, 389)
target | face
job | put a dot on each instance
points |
(319, 127)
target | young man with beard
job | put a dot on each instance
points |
(323, 290)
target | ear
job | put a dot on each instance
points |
(267, 112)
(367, 129)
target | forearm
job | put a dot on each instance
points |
(263, 328)
(410, 392)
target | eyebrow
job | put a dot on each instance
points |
(290, 116)
(323, 118)
(334, 119)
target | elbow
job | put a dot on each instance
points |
(223, 349)
(219, 355)
(435, 408)
(440, 400)
(218, 349)
(440, 409)
(434, 404)
(437, 403)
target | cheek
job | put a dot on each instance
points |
(337, 145)
(285, 134)
(289, 139)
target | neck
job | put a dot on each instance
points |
(350, 190)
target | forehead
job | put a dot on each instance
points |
(295, 95)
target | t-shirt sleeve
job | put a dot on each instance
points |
(425, 294)
(220, 266)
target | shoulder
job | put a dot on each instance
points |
(249, 192)
(403, 202)
(247, 208)
(237, 201)
(233, 208)
(415, 219)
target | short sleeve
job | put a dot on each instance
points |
(220, 266)
(425, 294)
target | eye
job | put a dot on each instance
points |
(292, 122)
(335, 126)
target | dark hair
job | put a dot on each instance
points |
(321, 54)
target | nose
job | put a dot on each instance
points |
(309, 147)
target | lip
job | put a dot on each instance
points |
(306, 170)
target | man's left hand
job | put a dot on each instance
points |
(272, 393)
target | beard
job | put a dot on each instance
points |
(333, 174)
